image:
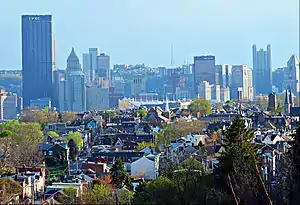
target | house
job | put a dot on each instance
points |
(146, 167)
(97, 167)
(58, 150)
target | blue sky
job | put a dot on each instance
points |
(142, 31)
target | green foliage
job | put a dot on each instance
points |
(200, 105)
(76, 137)
(178, 129)
(125, 197)
(67, 117)
(6, 133)
(68, 197)
(43, 117)
(159, 191)
(73, 149)
(23, 131)
(143, 145)
(237, 164)
(52, 134)
(119, 175)
(139, 113)
(99, 194)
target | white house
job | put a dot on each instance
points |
(145, 167)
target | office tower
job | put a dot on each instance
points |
(216, 93)
(60, 86)
(41, 103)
(223, 74)
(103, 69)
(36, 57)
(262, 70)
(204, 70)
(97, 98)
(138, 85)
(224, 93)
(287, 104)
(89, 61)
(8, 105)
(272, 101)
(242, 78)
(278, 79)
(204, 90)
(292, 75)
(76, 95)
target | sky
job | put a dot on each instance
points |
(142, 31)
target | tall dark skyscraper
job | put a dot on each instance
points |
(36, 57)
(262, 70)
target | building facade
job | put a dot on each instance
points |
(8, 105)
(204, 70)
(76, 95)
(36, 57)
(204, 90)
(224, 93)
(103, 69)
(292, 75)
(242, 78)
(97, 98)
(262, 70)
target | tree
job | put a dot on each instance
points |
(8, 188)
(77, 137)
(18, 145)
(143, 145)
(68, 197)
(52, 134)
(140, 113)
(43, 117)
(73, 149)
(67, 117)
(119, 175)
(237, 171)
(99, 194)
(158, 191)
(200, 105)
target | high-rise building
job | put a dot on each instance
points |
(8, 105)
(204, 70)
(36, 57)
(242, 78)
(138, 85)
(76, 95)
(204, 90)
(262, 70)
(103, 68)
(278, 79)
(60, 86)
(97, 98)
(223, 74)
(41, 103)
(272, 101)
(216, 93)
(292, 74)
(224, 93)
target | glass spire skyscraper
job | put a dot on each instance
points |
(36, 57)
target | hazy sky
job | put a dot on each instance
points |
(142, 31)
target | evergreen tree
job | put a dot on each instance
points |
(73, 148)
(237, 171)
(119, 175)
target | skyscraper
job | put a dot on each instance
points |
(103, 68)
(292, 75)
(223, 74)
(242, 80)
(36, 57)
(204, 70)
(89, 61)
(76, 94)
(262, 70)
(204, 90)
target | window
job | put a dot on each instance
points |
(50, 153)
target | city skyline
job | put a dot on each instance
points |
(131, 34)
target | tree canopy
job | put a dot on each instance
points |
(143, 145)
(200, 105)
(76, 137)
(119, 175)
(140, 113)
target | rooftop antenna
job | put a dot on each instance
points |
(172, 59)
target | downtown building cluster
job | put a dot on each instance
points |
(92, 85)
